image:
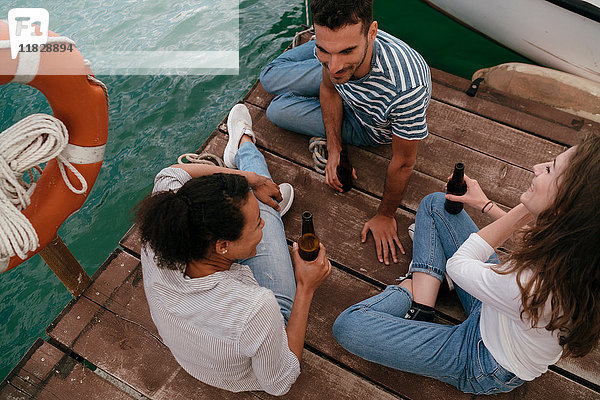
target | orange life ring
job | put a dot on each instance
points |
(81, 104)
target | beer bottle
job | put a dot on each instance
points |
(456, 186)
(308, 244)
(344, 171)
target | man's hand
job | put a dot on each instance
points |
(384, 230)
(265, 190)
(331, 177)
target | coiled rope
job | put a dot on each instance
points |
(318, 147)
(34, 140)
(204, 158)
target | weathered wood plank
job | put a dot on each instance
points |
(515, 118)
(517, 113)
(370, 165)
(126, 350)
(48, 373)
(503, 182)
(131, 241)
(131, 354)
(565, 128)
(10, 392)
(489, 137)
(476, 132)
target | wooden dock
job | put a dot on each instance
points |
(105, 346)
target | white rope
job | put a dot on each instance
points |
(306, 9)
(204, 158)
(298, 35)
(318, 147)
(34, 140)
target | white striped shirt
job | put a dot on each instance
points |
(392, 98)
(223, 329)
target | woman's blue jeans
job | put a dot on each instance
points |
(375, 329)
(272, 265)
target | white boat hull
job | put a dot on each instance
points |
(539, 30)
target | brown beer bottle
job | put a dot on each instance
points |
(456, 186)
(344, 171)
(308, 244)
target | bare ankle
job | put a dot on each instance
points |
(244, 139)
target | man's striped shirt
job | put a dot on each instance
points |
(393, 97)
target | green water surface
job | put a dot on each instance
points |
(153, 119)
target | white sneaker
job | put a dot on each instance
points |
(239, 123)
(287, 192)
(411, 235)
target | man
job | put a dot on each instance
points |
(359, 85)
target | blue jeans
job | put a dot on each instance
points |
(375, 329)
(295, 77)
(272, 265)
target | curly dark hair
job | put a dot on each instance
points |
(335, 14)
(180, 226)
(562, 254)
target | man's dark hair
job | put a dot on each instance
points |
(181, 226)
(335, 14)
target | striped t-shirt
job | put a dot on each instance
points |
(223, 329)
(393, 97)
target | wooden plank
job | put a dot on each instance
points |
(503, 182)
(489, 137)
(368, 164)
(48, 373)
(10, 392)
(454, 123)
(65, 266)
(131, 354)
(131, 242)
(514, 117)
(126, 350)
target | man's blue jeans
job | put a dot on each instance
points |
(375, 329)
(272, 265)
(295, 77)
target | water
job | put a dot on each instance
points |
(153, 119)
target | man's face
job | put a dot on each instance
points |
(343, 51)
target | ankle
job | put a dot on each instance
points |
(420, 312)
(245, 138)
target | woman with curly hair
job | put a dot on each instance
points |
(542, 303)
(217, 271)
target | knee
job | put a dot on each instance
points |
(433, 201)
(267, 77)
(276, 111)
(346, 327)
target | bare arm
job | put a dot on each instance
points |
(309, 276)
(383, 224)
(263, 188)
(398, 173)
(476, 198)
(500, 230)
(332, 110)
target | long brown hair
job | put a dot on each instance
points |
(562, 253)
